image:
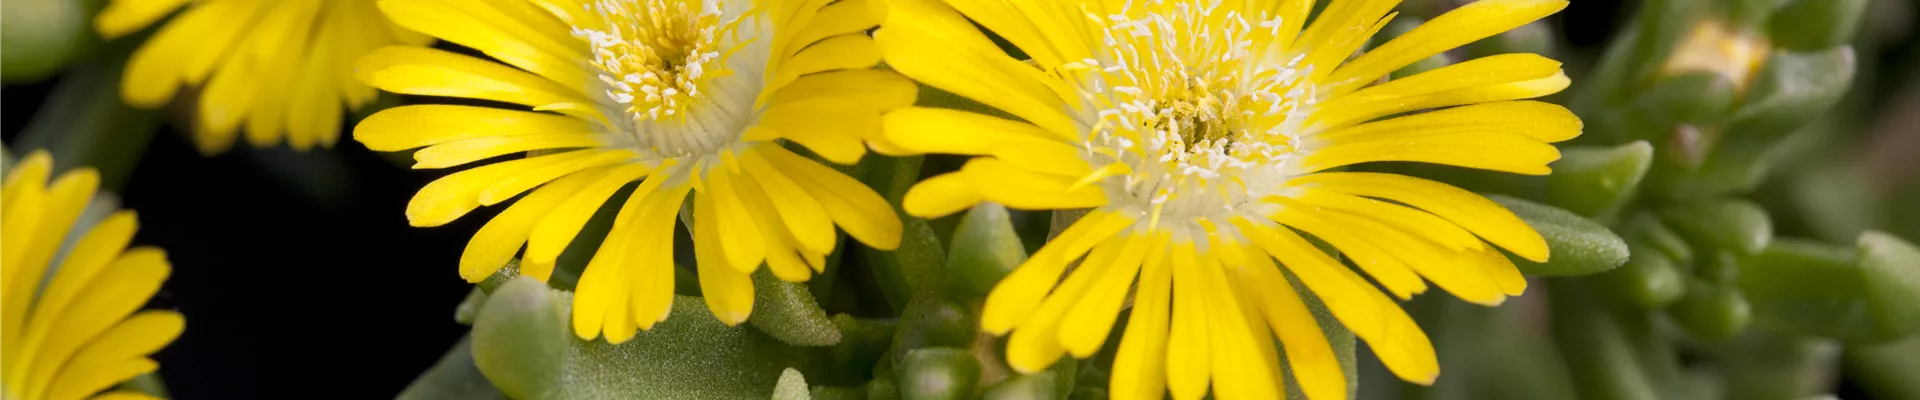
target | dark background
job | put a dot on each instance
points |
(300, 277)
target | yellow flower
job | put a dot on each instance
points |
(78, 334)
(688, 95)
(1205, 135)
(282, 68)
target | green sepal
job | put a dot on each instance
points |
(1578, 245)
(523, 343)
(454, 377)
(1712, 311)
(786, 311)
(985, 248)
(1729, 224)
(791, 386)
(1594, 181)
(1816, 24)
(938, 373)
(1865, 294)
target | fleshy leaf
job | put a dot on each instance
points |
(1593, 181)
(938, 373)
(786, 311)
(1578, 246)
(791, 386)
(1728, 224)
(1867, 294)
(522, 343)
(985, 248)
(1712, 310)
(453, 377)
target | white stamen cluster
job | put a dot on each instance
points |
(654, 54)
(663, 63)
(1195, 106)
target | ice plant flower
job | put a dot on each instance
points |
(77, 333)
(277, 70)
(1206, 136)
(683, 97)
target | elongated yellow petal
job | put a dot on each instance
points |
(1011, 301)
(1085, 327)
(557, 229)
(729, 292)
(736, 231)
(430, 72)
(1415, 221)
(130, 340)
(125, 16)
(939, 130)
(933, 44)
(1357, 111)
(849, 51)
(519, 183)
(652, 298)
(1339, 30)
(1019, 188)
(1239, 365)
(1139, 369)
(830, 127)
(875, 89)
(1545, 122)
(119, 290)
(841, 17)
(1454, 271)
(940, 196)
(1036, 345)
(805, 220)
(469, 24)
(1377, 261)
(1458, 27)
(465, 151)
(407, 127)
(1314, 365)
(1495, 151)
(1471, 211)
(852, 205)
(1190, 341)
(496, 242)
(452, 196)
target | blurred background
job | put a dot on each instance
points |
(300, 277)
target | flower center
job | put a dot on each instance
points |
(1191, 105)
(662, 60)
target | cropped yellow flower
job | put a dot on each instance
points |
(282, 68)
(688, 95)
(78, 334)
(1206, 136)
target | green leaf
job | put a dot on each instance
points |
(1649, 279)
(1712, 311)
(1891, 269)
(1600, 358)
(938, 373)
(470, 307)
(1040, 386)
(1647, 229)
(985, 248)
(1816, 24)
(1579, 246)
(523, 344)
(1593, 181)
(1885, 371)
(1791, 90)
(786, 311)
(37, 37)
(1866, 294)
(1730, 224)
(791, 386)
(453, 377)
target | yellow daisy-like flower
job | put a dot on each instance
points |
(1205, 135)
(282, 68)
(75, 334)
(689, 95)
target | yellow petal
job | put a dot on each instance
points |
(1085, 327)
(1376, 260)
(1333, 114)
(454, 195)
(1458, 27)
(431, 72)
(805, 220)
(500, 36)
(496, 242)
(125, 16)
(735, 230)
(877, 89)
(1036, 344)
(128, 342)
(1139, 368)
(1471, 211)
(841, 17)
(729, 292)
(465, 151)
(113, 295)
(1545, 122)
(1314, 365)
(939, 130)
(1240, 367)
(939, 196)
(848, 51)
(829, 127)
(557, 229)
(932, 44)
(407, 127)
(1011, 301)
(1019, 188)
(519, 183)
(1190, 348)
(852, 205)
(1494, 151)
(1412, 220)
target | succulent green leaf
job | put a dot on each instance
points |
(523, 344)
(791, 386)
(1594, 181)
(1891, 269)
(938, 373)
(37, 37)
(985, 248)
(1816, 24)
(1813, 288)
(1040, 386)
(470, 307)
(454, 377)
(1711, 310)
(1579, 246)
(1729, 224)
(786, 311)
(1600, 357)
(1692, 97)
(1649, 279)
(1791, 89)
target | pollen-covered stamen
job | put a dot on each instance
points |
(659, 59)
(1189, 104)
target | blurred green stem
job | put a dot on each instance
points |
(83, 123)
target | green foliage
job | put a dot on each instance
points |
(1579, 246)
(985, 248)
(786, 311)
(791, 386)
(938, 373)
(1596, 181)
(454, 377)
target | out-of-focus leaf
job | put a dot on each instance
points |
(1645, 228)
(1886, 370)
(1579, 246)
(791, 386)
(1816, 24)
(470, 307)
(1533, 38)
(83, 122)
(1792, 89)
(37, 37)
(1040, 386)
(1594, 181)
(1599, 357)
(453, 377)
(1649, 279)
(985, 248)
(524, 345)
(1712, 311)
(938, 373)
(1730, 224)
(1692, 97)
(786, 311)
